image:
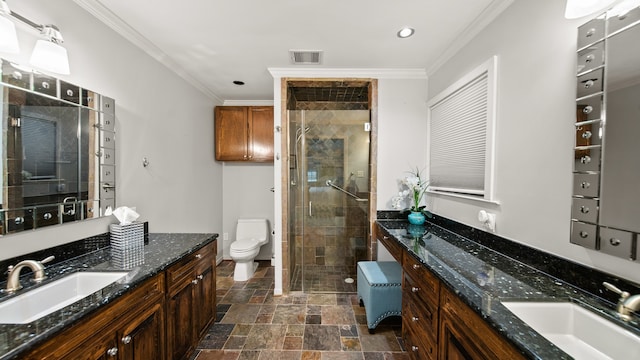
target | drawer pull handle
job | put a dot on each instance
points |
(415, 289)
(590, 32)
(614, 241)
(126, 339)
(589, 58)
(585, 159)
(385, 238)
(584, 234)
(588, 84)
(112, 352)
(587, 109)
(198, 256)
(200, 277)
(585, 185)
(586, 135)
(584, 209)
(414, 318)
(194, 281)
(416, 266)
(414, 348)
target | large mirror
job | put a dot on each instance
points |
(605, 213)
(58, 151)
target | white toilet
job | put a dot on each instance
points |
(251, 234)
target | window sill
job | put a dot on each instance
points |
(463, 196)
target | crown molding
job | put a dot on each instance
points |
(100, 12)
(247, 103)
(348, 73)
(489, 14)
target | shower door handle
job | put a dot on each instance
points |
(310, 212)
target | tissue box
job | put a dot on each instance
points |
(127, 245)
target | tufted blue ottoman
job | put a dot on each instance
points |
(380, 290)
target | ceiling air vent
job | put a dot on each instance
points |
(306, 57)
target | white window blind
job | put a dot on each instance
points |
(461, 136)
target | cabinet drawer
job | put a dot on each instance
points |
(616, 242)
(585, 210)
(590, 83)
(589, 134)
(390, 244)
(183, 271)
(583, 234)
(589, 108)
(421, 317)
(591, 57)
(586, 185)
(420, 291)
(419, 280)
(591, 32)
(587, 160)
(418, 348)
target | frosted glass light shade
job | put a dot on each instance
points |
(8, 36)
(579, 8)
(51, 57)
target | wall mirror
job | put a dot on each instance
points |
(57, 148)
(605, 212)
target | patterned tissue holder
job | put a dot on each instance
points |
(127, 245)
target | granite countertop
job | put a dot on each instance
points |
(483, 278)
(162, 251)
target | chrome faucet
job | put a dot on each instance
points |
(626, 304)
(13, 280)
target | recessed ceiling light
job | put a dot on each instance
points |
(405, 32)
(238, 82)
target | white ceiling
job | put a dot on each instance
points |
(211, 43)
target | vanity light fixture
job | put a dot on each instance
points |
(405, 32)
(8, 35)
(47, 55)
(579, 8)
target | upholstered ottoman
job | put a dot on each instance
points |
(380, 290)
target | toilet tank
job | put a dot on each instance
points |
(253, 229)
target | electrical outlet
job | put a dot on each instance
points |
(225, 236)
(360, 174)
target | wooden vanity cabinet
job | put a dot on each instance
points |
(436, 323)
(244, 133)
(190, 301)
(131, 328)
(420, 298)
(465, 335)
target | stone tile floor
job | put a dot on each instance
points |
(252, 324)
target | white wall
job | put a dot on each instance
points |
(158, 115)
(536, 109)
(247, 194)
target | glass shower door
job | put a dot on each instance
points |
(331, 191)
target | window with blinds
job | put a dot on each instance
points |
(461, 135)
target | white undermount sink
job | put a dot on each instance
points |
(48, 298)
(577, 331)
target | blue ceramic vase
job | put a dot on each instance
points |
(416, 218)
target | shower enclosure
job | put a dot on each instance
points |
(328, 198)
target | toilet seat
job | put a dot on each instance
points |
(244, 245)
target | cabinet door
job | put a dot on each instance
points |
(205, 298)
(180, 323)
(142, 337)
(231, 133)
(261, 133)
(454, 345)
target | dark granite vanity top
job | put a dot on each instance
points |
(162, 251)
(483, 277)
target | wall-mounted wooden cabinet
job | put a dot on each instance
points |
(244, 133)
